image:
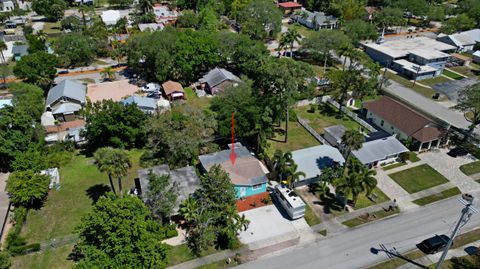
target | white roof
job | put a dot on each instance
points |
(429, 54)
(312, 160)
(67, 108)
(411, 67)
(110, 17)
(290, 196)
(378, 150)
(402, 47)
(151, 26)
(47, 119)
(477, 53)
(5, 102)
(466, 38)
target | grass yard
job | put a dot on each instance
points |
(298, 138)
(435, 80)
(323, 232)
(51, 258)
(52, 28)
(181, 253)
(81, 183)
(364, 219)
(192, 98)
(87, 80)
(413, 157)
(471, 168)
(363, 201)
(452, 75)
(418, 178)
(437, 197)
(100, 62)
(464, 70)
(407, 83)
(310, 217)
(304, 31)
(324, 117)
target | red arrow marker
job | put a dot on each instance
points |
(233, 156)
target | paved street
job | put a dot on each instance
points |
(351, 249)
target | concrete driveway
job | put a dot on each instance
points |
(268, 226)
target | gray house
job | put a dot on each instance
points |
(145, 104)
(217, 80)
(316, 20)
(379, 151)
(18, 51)
(333, 135)
(463, 41)
(186, 178)
(66, 99)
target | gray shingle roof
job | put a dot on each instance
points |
(67, 88)
(144, 102)
(313, 160)
(20, 50)
(187, 179)
(378, 150)
(217, 76)
(336, 131)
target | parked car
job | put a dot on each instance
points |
(434, 244)
(457, 152)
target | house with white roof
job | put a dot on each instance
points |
(110, 17)
(418, 57)
(476, 56)
(66, 99)
(463, 41)
(316, 20)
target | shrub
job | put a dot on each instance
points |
(292, 115)
(404, 157)
(24, 249)
(312, 108)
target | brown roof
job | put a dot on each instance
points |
(170, 87)
(64, 126)
(115, 90)
(404, 118)
(243, 171)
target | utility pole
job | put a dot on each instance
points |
(416, 68)
(467, 212)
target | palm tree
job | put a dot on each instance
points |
(145, 6)
(42, 36)
(288, 38)
(349, 186)
(108, 73)
(241, 222)
(346, 51)
(351, 140)
(282, 161)
(114, 162)
(367, 179)
(293, 175)
(3, 46)
(85, 9)
(188, 209)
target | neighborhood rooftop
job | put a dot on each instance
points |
(115, 90)
(379, 149)
(66, 88)
(217, 76)
(402, 47)
(313, 160)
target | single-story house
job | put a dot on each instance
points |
(145, 104)
(5, 102)
(217, 80)
(313, 160)
(248, 174)
(173, 90)
(113, 90)
(110, 17)
(418, 57)
(333, 135)
(463, 41)
(18, 51)
(165, 15)
(476, 57)
(150, 26)
(289, 7)
(63, 131)
(54, 175)
(398, 119)
(316, 20)
(7, 5)
(186, 178)
(379, 151)
(66, 99)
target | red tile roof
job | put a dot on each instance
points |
(64, 126)
(405, 119)
(289, 5)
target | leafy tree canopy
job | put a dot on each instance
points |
(75, 49)
(161, 196)
(117, 233)
(261, 19)
(459, 23)
(37, 68)
(469, 102)
(28, 98)
(52, 9)
(27, 188)
(359, 30)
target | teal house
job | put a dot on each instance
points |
(248, 174)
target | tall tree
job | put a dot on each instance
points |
(28, 98)
(456, 24)
(161, 196)
(388, 17)
(114, 162)
(261, 19)
(293, 175)
(216, 221)
(281, 163)
(38, 68)
(52, 9)
(117, 233)
(358, 30)
(351, 140)
(320, 43)
(27, 188)
(349, 9)
(469, 103)
(349, 186)
(208, 20)
(188, 209)
(289, 38)
(75, 49)
(237, 7)
(108, 73)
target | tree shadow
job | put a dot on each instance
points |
(392, 253)
(329, 202)
(97, 191)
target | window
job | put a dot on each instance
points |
(257, 187)
(382, 122)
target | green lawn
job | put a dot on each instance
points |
(471, 168)
(464, 70)
(413, 157)
(437, 197)
(181, 253)
(325, 116)
(52, 258)
(192, 98)
(80, 183)
(435, 80)
(304, 31)
(52, 28)
(407, 83)
(298, 138)
(363, 201)
(323, 232)
(362, 220)
(418, 178)
(310, 217)
(452, 75)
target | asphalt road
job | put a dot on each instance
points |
(352, 249)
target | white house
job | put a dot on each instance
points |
(463, 41)
(476, 57)
(6, 5)
(110, 17)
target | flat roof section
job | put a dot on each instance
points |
(411, 67)
(402, 47)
